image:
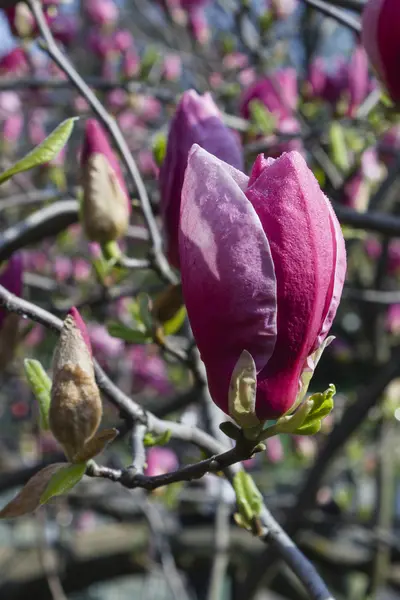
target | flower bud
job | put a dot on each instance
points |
(14, 63)
(263, 264)
(197, 121)
(380, 36)
(106, 205)
(278, 93)
(102, 12)
(76, 408)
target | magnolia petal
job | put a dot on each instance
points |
(228, 276)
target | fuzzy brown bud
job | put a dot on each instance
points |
(106, 205)
(76, 408)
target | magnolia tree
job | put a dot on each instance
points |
(178, 181)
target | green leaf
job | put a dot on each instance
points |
(149, 439)
(40, 384)
(44, 153)
(248, 498)
(338, 147)
(63, 480)
(132, 336)
(144, 304)
(159, 148)
(173, 325)
(262, 118)
(150, 58)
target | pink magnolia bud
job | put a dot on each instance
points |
(278, 93)
(14, 63)
(130, 63)
(160, 461)
(283, 8)
(123, 40)
(20, 19)
(106, 205)
(358, 80)
(274, 450)
(393, 319)
(76, 408)
(263, 264)
(101, 12)
(196, 121)
(380, 36)
(172, 67)
(11, 279)
(64, 28)
(198, 25)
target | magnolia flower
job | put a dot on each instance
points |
(381, 40)
(197, 120)
(278, 92)
(106, 205)
(160, 461)
(101, 12)
(263, 264)
(14, 63)
(283, 8)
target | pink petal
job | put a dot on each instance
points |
(227, 271)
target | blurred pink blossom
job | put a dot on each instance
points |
(160, 461)
(172, 67)
(101, 12)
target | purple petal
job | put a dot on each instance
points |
(228, 275)
(296, 218)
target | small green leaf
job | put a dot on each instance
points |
(160, 148)
(40, 384)
(248, 498)
(144, 304)
(262, 118)
(63, 480)
(149, 439)
(173, 325)
(310, 428)
(44, 153)
(132, 336)
(338, 147)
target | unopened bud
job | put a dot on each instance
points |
(106, 205)
(76, 408)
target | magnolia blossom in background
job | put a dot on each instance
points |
(197, 120)
(358, 83)
(380, 36)
(263, 264)
(148, 370)
(393, 319)
(14, 62)
(274, 450)
(373, 249)
(278, 93)
(106, 205)
(160, 461)
(283, 8)
(101, 12)
(172, 67)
